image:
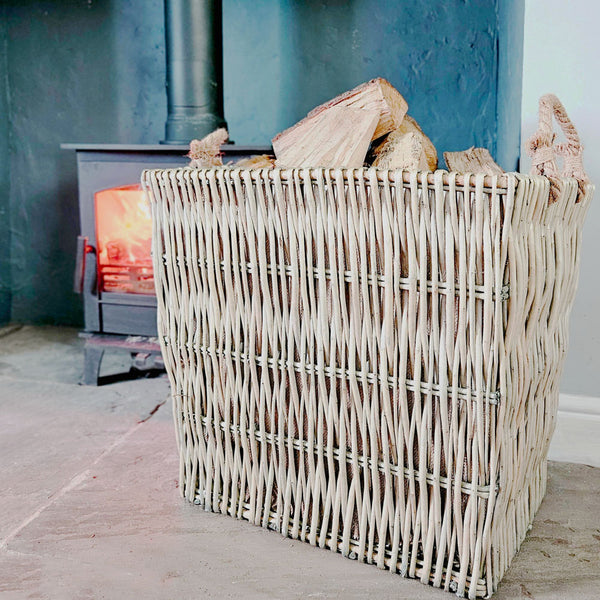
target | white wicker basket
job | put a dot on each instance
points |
(368, 360)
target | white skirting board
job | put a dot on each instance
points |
(577, 435)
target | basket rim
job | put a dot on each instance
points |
(390, 175)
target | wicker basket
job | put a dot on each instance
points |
(368, 360)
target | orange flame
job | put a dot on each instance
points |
(124, 238)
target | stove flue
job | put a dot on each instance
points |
(194, 49)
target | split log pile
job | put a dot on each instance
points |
(365, 126)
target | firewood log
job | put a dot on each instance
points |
(256, 162)
(206, 153)
(401, 151)
(337, 137)
(409, 125)
(373, 97)
(473, 160)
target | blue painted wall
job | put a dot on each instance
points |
(93, 71)
(77, 71)
(290, 56)
(5, 268)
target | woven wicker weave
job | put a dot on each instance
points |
(368, 360)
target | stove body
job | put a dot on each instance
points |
(118, 298)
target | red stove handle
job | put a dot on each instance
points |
(83, 248)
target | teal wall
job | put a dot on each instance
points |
(290, 56)
(78, 71)
(93, 71)
(5, 284)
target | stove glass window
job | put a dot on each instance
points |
(124, 237)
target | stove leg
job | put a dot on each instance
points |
(92, 359)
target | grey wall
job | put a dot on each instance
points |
(93, 71)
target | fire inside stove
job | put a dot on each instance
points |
(124, 237)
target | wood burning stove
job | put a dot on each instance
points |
(114, 265)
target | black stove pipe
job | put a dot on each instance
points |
(194, 48)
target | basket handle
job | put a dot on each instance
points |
(543, 151)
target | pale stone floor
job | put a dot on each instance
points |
(89, 506)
